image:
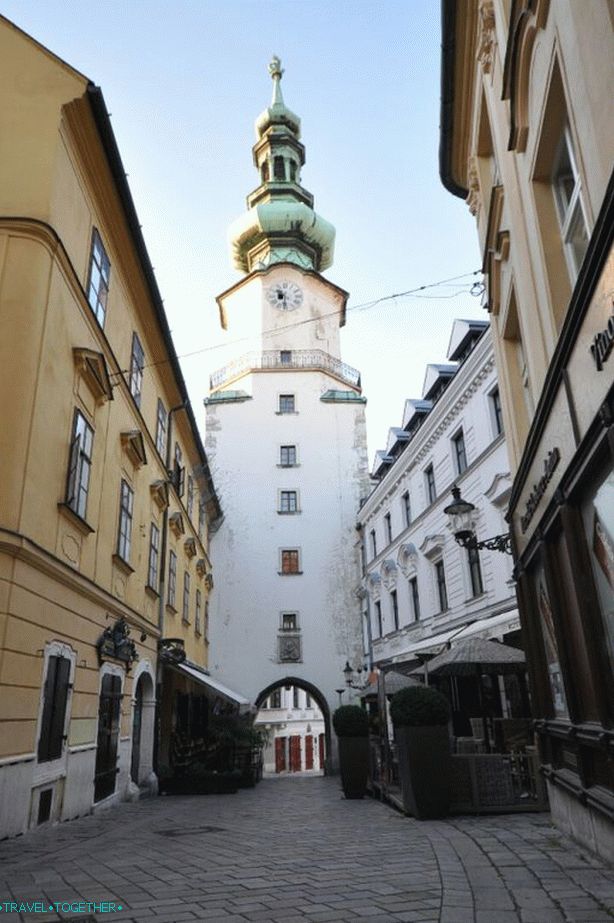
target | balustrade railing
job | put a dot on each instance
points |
(286, 359)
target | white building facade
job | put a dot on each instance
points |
(419, 587)
(287, 439)
(295, 732)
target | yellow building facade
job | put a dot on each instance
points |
(106, 499)
(527, 138)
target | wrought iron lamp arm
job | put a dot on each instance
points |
(501, 543)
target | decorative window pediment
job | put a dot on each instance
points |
(190, 547)
(432, 545)
(201, 567)
(176, 524)
(500, 489)
(407, 558)
(389, 572)
(93, 369)
(159, 491)
(133, 445)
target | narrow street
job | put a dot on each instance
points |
(292, 851)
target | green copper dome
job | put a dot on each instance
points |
(280, 224)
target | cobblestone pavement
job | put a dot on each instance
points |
(294, 851)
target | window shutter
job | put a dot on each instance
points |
(73, 465)
(51, 738)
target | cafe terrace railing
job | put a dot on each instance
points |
(285, 359)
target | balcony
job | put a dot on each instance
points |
(304, 359)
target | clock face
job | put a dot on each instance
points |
(285, 295)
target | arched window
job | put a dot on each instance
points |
(264, 171)
(279, 168)
(292, 164)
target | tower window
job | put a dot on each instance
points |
(292, 166)
(279, 169)
(264, 171)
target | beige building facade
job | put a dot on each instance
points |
(527, 138)
(106, 498)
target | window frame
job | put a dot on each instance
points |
(406, 499)
(153, 563)
(496, 410)
(185, 605)
(290, 616)
(288, 502)
(431, 486)
(394, 603)
(161, 429)
(442, 589)
(52, 739)
(286, 398)
(98, 303)
(189, 500)
(79, 465)
(126, 516)
(573, 210)
(414, 593)
(291, 450)
(137, 364)
(290, 570)
(476, 579)
(388, 527)
(373, 537)
(378, 615)
(459, 449)
(171, 596)
(197, 612)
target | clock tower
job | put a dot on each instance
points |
(287, 439)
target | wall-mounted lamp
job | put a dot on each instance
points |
(460, 516)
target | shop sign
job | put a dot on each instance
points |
(602, 344)
(539, 489)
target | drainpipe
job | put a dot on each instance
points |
(162, 579)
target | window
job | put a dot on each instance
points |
(275, 699)
(288, 501)
(495, 410)
(178, 478)
(415, 598)
(285, 357)
(475, 571)
(126, 502)
(154, 553)
(295, 697)
(388, 526)
(287, 456)
(279, 171)
(289, 621)
(287, 404)
(431, 493)
(206, 626)
(161, 426)
(172, 579)
(190, 497)
(406, 508)
(442, 592)
(373, 543)
(98, 284)
(79, 466)
(185, 613)
(290, 561)
(460, 454)
(197, 612)
(568, 198)
(395, 609)
(57, 685)
(201, 520)
(292, 166)
(264, 171)
(137, 363)
(307, 700)
(378, 618)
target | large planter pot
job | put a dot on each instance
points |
(424, 770)
(354, 765)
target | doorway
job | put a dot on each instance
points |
(108, 736)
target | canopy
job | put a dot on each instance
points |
(475, 656)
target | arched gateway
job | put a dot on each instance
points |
(286, 437)
(297, 718)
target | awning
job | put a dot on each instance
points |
(492, 627)
(205, 680)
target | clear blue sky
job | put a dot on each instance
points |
(184, 81)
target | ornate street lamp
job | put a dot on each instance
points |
(461, 523)
(353, 678)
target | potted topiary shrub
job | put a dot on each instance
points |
(420, 715)
(351, 724)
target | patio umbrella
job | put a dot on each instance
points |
(474, 657)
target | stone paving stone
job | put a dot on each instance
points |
(294, 850)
